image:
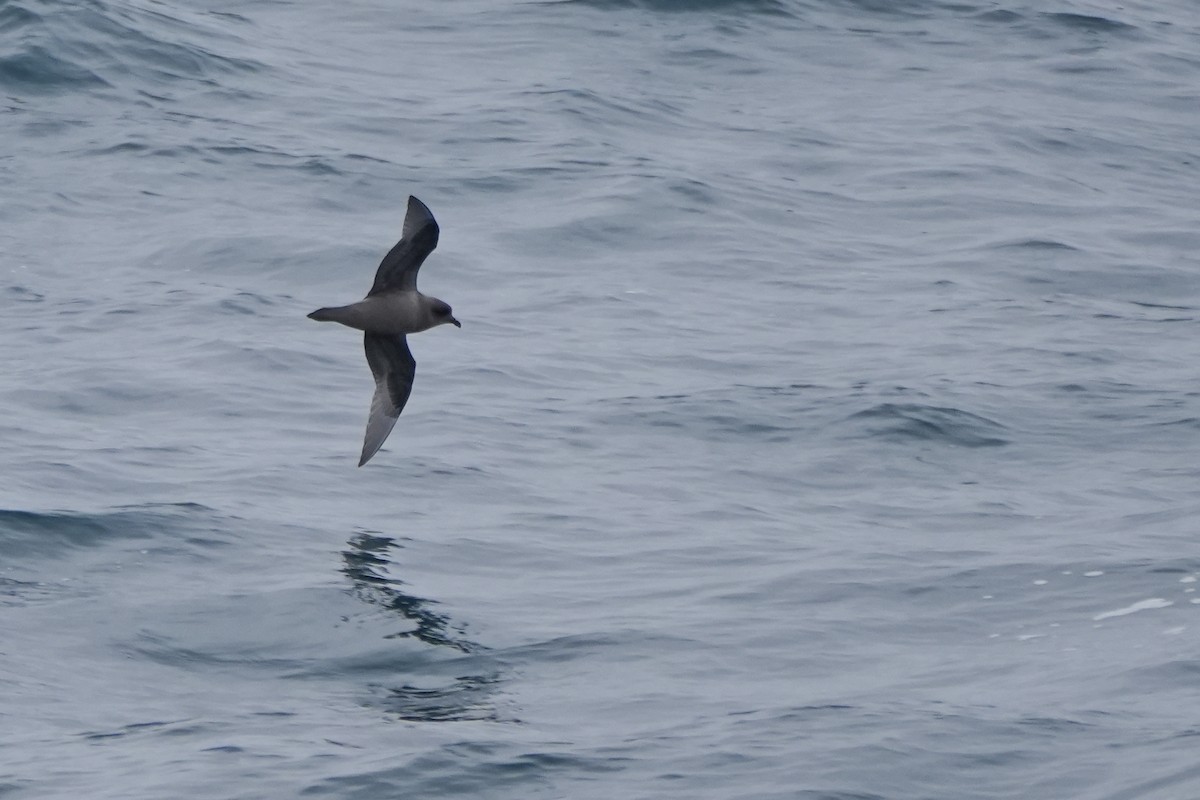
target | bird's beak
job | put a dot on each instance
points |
(457, 324)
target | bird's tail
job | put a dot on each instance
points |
(326, 315)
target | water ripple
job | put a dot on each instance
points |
(84, 45)
(914, 422)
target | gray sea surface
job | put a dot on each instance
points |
(824, 423)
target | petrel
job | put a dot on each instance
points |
(390, 311)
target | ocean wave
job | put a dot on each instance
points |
(916, 422)
(1087, 22)
(30, 533)
(82, 46)
(35, 68)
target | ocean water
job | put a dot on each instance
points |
(824, 423)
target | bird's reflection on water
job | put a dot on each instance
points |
(446, 693)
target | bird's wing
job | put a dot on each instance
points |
(398, 270)
(393, 366)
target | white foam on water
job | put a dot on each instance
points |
(1141, 605)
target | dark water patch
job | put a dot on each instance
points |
(1190, 423)
(14, 16)
(121, 148)
(913, 9)
(1053, 725)
(36, 69)
(901, 422)
(446, 690)
(20, 294)
(126, 730)
(1037, 244)
(1078, 388)
(247, 303)
(467, 697)
(708, 56)
(601, 109)
(15, 787)
(142, 149)
(1095, 68)
(239, 18)
(25, 533)
(371, 159)
(697, 195)
(1171, 320)
(999, 15)
(1087, 23)
(583, 646)
(310, 165)
(1165, 306)
(1037, 25)
(367, 564)
(15, 592)
(80, 46)
(803, 715)
(140, 39)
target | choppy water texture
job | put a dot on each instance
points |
(824, 423)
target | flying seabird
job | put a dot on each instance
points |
(391, 310)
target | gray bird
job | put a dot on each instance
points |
(391, 310)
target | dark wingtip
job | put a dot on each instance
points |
(418, 215)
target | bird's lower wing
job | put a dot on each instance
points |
(393, 366)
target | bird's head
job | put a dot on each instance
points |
(442, 314)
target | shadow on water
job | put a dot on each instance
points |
(459, 688)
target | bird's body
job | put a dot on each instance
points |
(391, 310)
(392, 313)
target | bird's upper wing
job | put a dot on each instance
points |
(393, 366)
(398, 270)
